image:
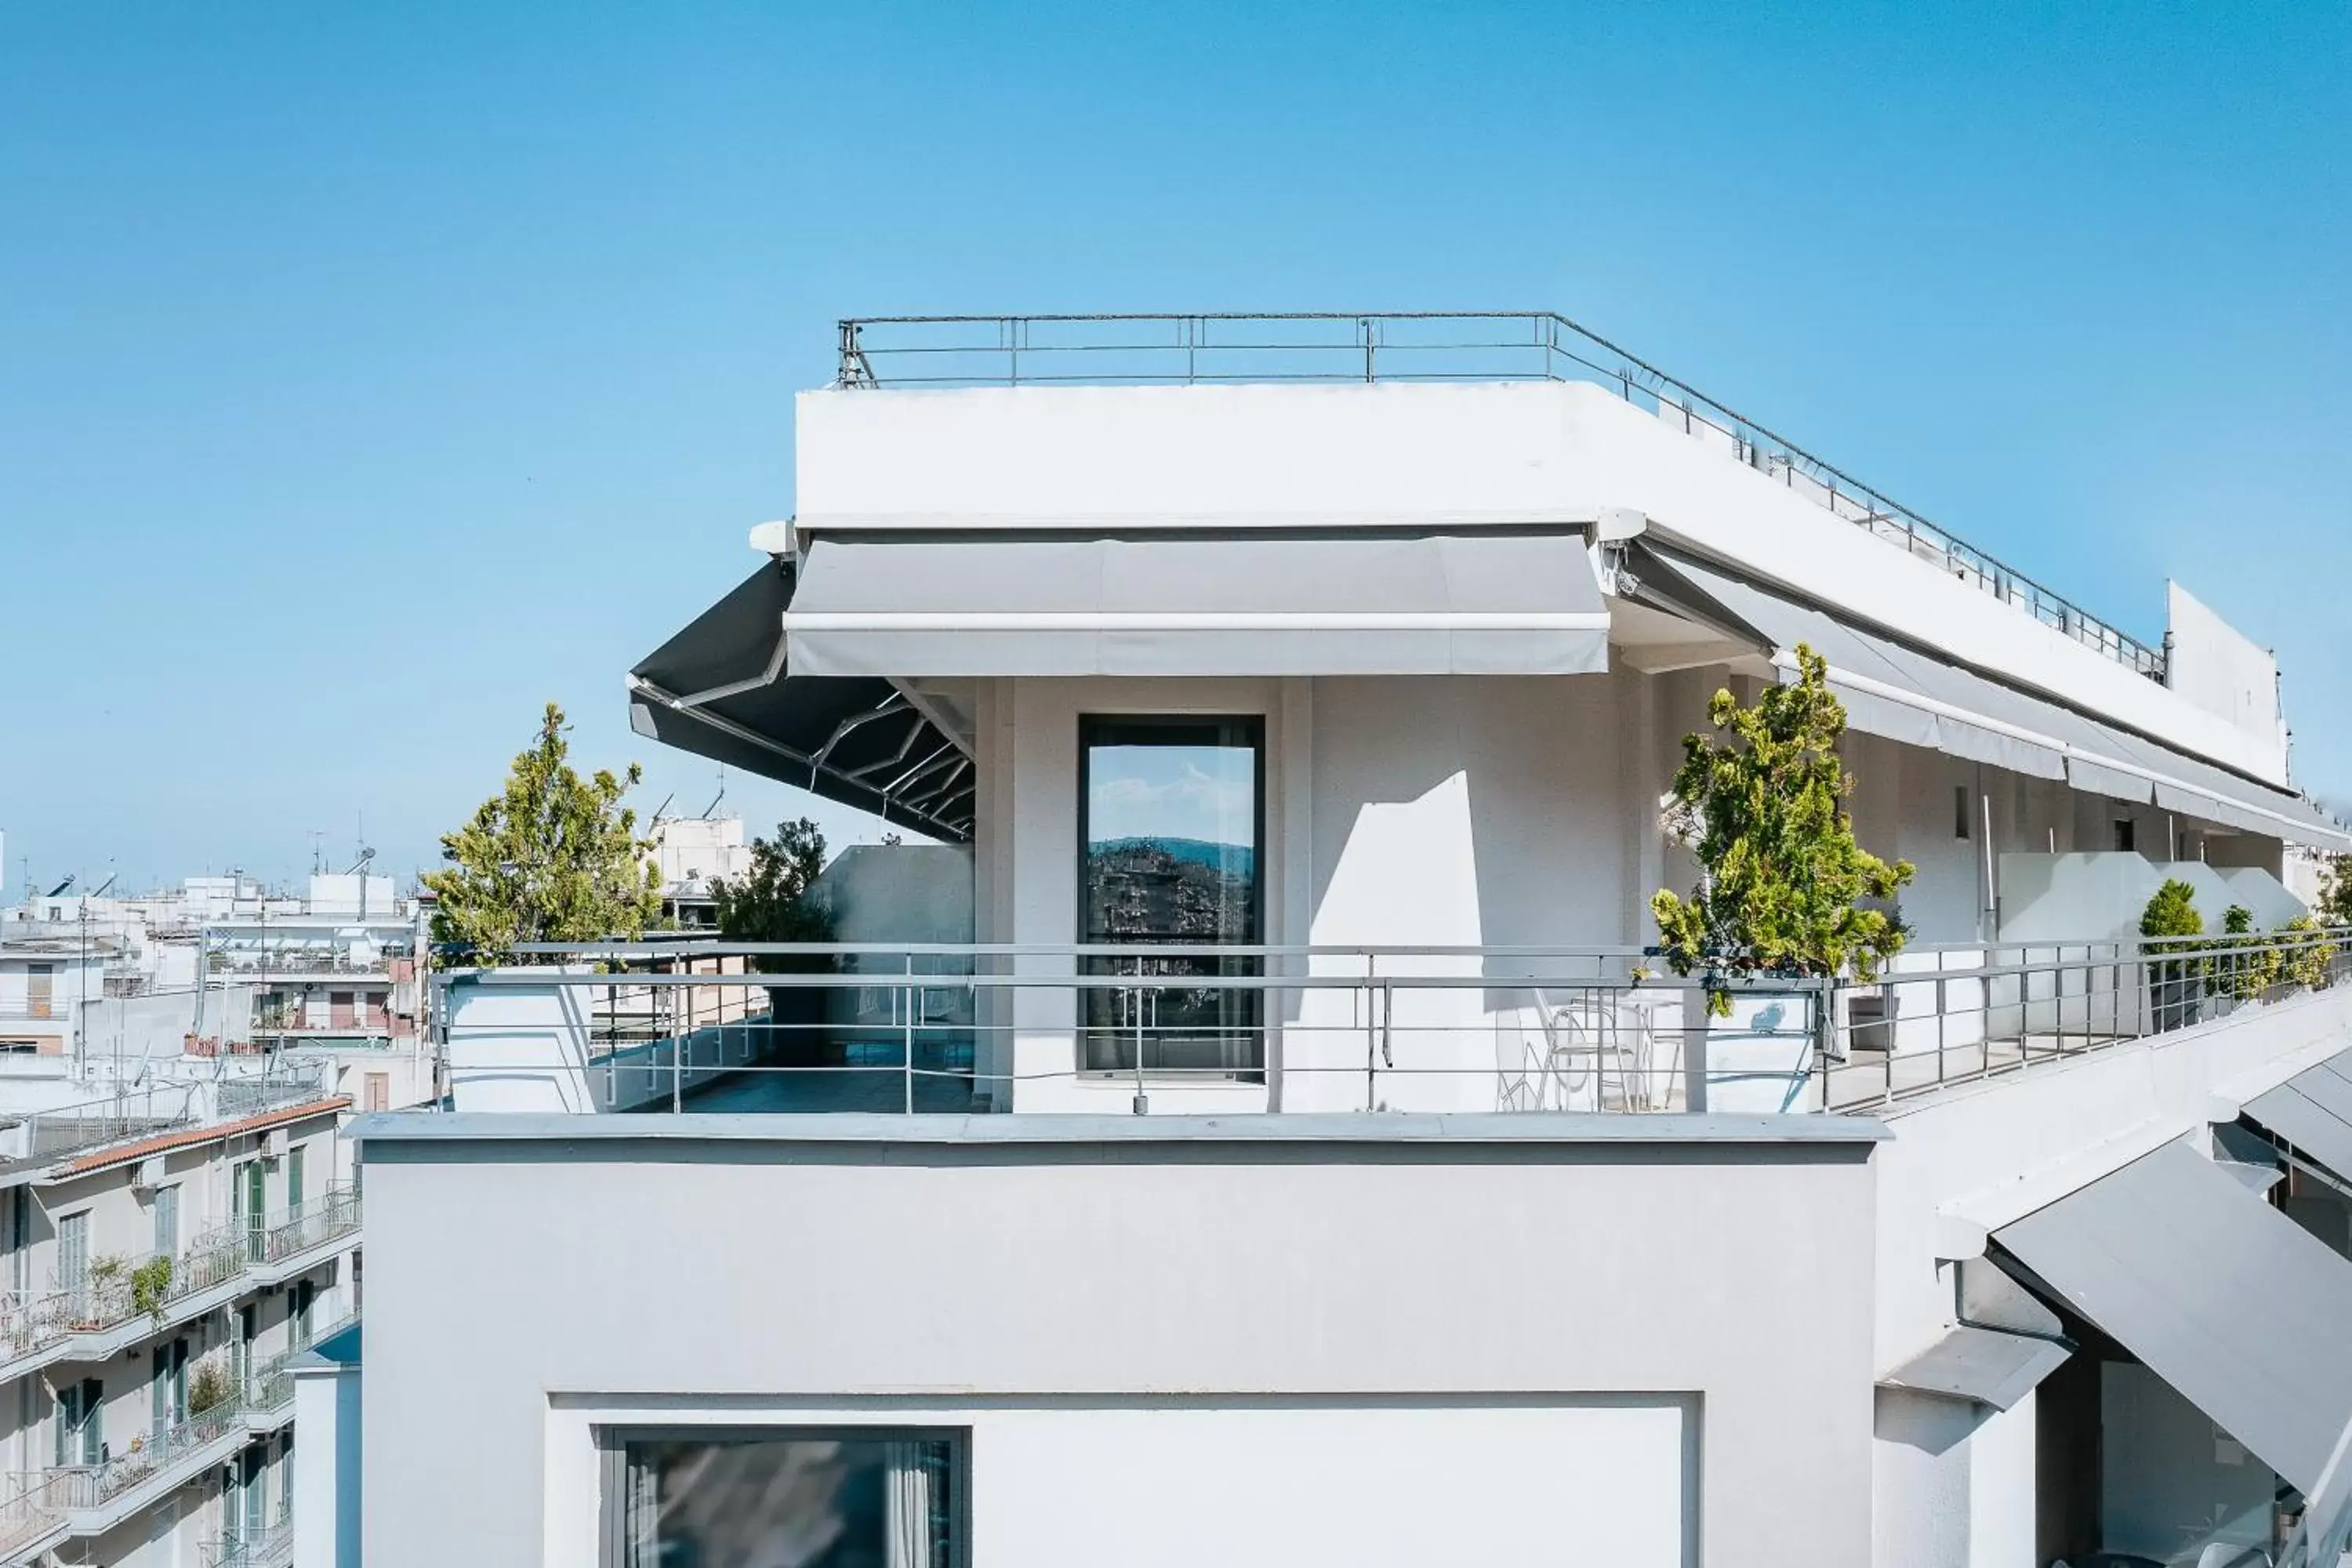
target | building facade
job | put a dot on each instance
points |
(1304, 1158)
(167, 1256)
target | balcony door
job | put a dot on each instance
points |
(1171, 817)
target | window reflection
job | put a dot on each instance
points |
(786, 1501)
(1170, 856)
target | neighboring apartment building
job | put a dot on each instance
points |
(166, 1256)
(692, 853)
(1324, 1177)
(221, 966)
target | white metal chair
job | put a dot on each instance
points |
(1584, 1059)
(1519, 1070)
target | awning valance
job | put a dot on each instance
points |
(2224, 1298)
(1902, 694)
(721, 688)
(1328, 602)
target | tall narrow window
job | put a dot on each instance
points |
(294, 1182)
(838, 1499)
(2125, 837)
(1959, 811)
(167, 1220)
(73, 1258)
(40, 989)
(1171, 818)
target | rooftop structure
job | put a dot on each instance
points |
(1303, 1151)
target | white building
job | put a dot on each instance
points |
(1349, 1196)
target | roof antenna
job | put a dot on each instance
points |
(722, 792)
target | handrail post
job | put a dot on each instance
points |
(906, 1050)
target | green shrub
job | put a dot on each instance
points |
(150, 1287)
(207, 1387)
(1784, 876)
(2307, 954)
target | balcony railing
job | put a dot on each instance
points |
(272, 1547)
(118, 1288)
(283, 1233)
(960, 1028)
(31, 1506)
(1429, 347)
(81, 1488)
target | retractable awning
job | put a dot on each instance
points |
(2224, 1298)
(1898, 692)
(722, 689)
(2312, 1112)
(1242, 603)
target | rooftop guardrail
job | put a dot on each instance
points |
(960, 1028)
(1424, 346)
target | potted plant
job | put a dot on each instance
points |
(1780, 906)
(150, 1287)
(207, 1387)
(774, 901)
(102, 1300)
(2168, 927)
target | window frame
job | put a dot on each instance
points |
(612, 1467)
(1254, 726)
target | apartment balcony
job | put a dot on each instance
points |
(959, 1028)
(32, 1515)
(287, 1242)
(124, 1301)
(82, 1501)
(272, 1547)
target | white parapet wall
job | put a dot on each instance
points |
(1642, 1341)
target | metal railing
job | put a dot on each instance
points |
(272, 1547)
(962, 1028)
(1424, 346)
(31, 1506)
(284, 1232)
(77, 1488)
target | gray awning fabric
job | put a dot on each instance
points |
(1987, 1366)
(1902, 694)
(2223, 1297)
(1331, 603)
(2312, 1112)
(721, 688)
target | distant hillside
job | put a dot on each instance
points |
(1231, 858)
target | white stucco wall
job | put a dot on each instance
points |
(1591, 1311)
(1429, 812)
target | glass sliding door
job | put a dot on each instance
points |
(1172, 816)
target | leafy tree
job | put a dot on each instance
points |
(1782, 873)
(2171, 911)
(774, 901)
(770, 902)
(552, 857)
(2167, 922)
(2336, 892)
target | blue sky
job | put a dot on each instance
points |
(370, 375)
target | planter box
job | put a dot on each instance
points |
(1759, 1060)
